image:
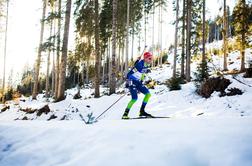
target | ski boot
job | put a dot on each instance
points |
(125, 115)
(145, 114)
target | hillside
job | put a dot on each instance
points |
(200, 131)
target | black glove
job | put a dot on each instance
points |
(128, 83)
(146, 71)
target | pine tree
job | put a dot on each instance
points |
(85, 28)
(201, 74)
(241, 28)
(194, 32)
(176, 39)
(114, 25)
(188, 40)
(5, 48)
(183, 41)
(174, 82)
(204, 32)
(127, 36)
(50, 45)
(38, 61)
(62, 74)
(97, 51)
(224, 34)
(58, 50)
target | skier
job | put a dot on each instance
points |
(135, 78)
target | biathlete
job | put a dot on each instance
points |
(135, 78)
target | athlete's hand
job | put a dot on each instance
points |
(148, 71)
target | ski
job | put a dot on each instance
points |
(152, 117)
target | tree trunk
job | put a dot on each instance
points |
(161, 33)
(74, 78)
(62, 74)
(183, 41)
(37, 67)
(176, 39)
(132, 43)
(118, 59)
(97, 51)
(113, 74)
(5, 49)
(153, 28)
(103, 68)
(109, 63)
(145, 28)
(228, 22)
(48, 65)
(87, 72)
(122, 63)
(53, 75)
(127, 37)
(88, 62)
(57, 70)
(188, 41)
(106, 72)
(242, 51)
(53, 63)
(242, 48)
(204, 33)
(83, 73)
(243, 37)
(225, 37)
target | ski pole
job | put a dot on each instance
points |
(110, 106)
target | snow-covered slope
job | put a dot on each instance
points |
(182, 142)
(199, 132)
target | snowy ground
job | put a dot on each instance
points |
(199, 132)
(191, 141)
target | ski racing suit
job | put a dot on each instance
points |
(135, 78)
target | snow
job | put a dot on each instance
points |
(192, 141)
(199, 132)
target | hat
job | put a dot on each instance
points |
(147, 55)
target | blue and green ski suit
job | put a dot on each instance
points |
(135, 78)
